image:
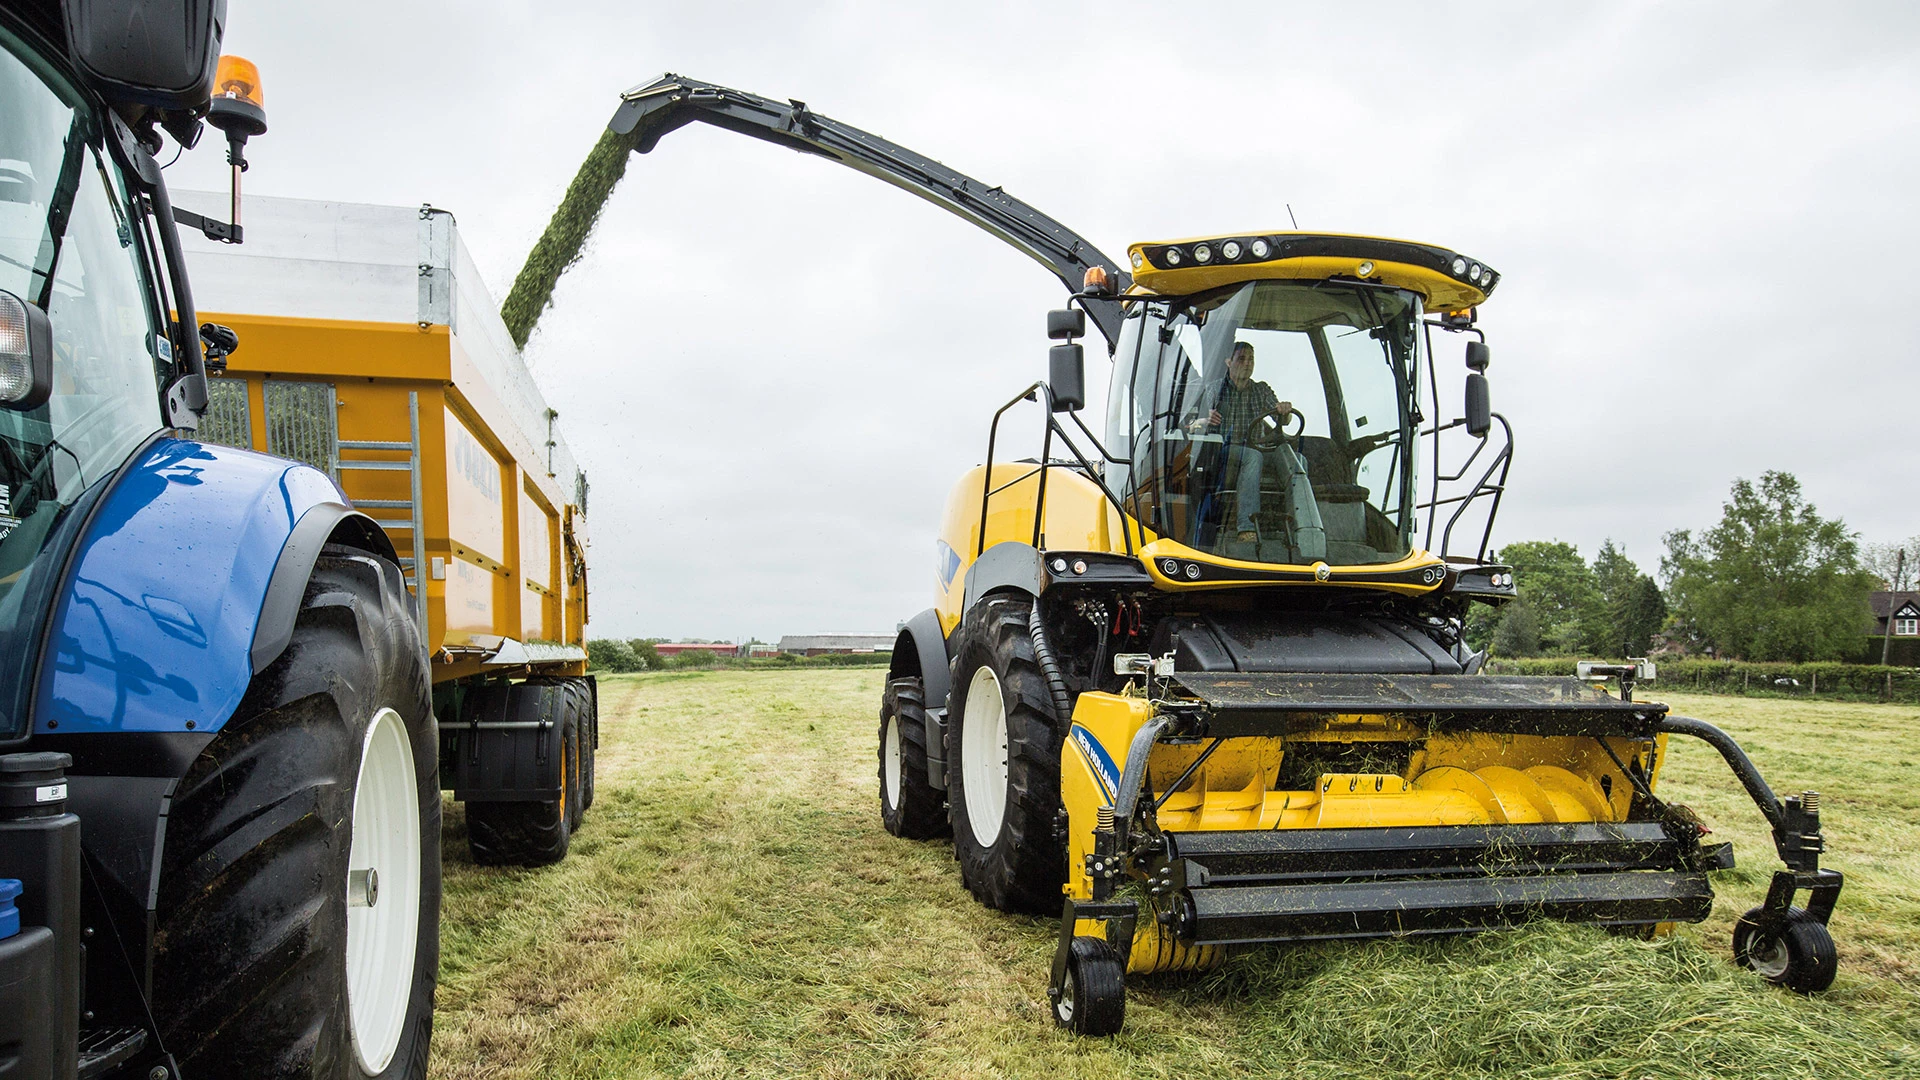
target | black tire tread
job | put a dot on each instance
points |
(527, 833)
(1812, 962)
(1023, 871)
(1100, 988)
(922, 812)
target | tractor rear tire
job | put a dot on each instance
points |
(533, 833)
(1094, 1000)
(910, 806)
(1799, 957)
(262, 964)
(1003, 777)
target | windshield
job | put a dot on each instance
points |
(1271, 421)
(67, 244)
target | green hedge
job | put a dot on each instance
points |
(1850, 682)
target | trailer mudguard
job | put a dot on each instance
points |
(157, 624)
(922, 650)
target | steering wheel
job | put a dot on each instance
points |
(1270, 433)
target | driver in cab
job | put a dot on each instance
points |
(1239, 407)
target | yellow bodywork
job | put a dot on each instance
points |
(1450, 779)
(1078, 517)
(1441, 293)
(504, 542)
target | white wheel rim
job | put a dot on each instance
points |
(382, 936)
(1769, 958)
(983, 756)
(890, 764)
(1065, 1007)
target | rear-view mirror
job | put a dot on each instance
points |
(1066, 324)
(1479, 406)
(1067, 377)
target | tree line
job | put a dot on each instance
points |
(1773, 580)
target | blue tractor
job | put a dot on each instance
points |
(219, 793)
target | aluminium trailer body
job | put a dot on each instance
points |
(370, 349)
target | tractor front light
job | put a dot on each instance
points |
(1365, 269)
(1260, 249)
(1202, 253)
(1230, 250)
(1173, 256)
(1139, 260)
(1459, 267)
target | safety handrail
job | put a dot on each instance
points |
(1041, 392)
(1484, 486)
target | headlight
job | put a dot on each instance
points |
(1138, 260)
(1202, 253)
(1459, 266)
(1230, 249)
(1260, 249)
(1173, 256)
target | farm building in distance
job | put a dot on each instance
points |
(825, 644)
(675, 648)
(1903, 650)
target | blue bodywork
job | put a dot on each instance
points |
(155, 622)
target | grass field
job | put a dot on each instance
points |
(732, 908)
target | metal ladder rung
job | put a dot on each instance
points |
(364, 444)
(384, 504)
(402, 524)
(385, 466)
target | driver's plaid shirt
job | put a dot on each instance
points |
(1240, 409)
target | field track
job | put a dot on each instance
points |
(732, 908)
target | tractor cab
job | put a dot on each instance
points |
(1268, 393)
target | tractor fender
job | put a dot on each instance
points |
(321, 525)
(1007, 566)
(159, 623)
(921, 649)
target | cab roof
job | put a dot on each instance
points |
(1447, 280)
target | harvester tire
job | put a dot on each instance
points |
(910, 806)
(1800, 957)
(297, 917)
(1003, 774)
(527, 833)
(1093, 1000)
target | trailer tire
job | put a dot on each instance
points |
(1800, 956)
(589, 742)
(910, 806)
(262, 966)
(527, 832)
(1003, 780)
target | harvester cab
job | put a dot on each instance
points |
(1200, 680)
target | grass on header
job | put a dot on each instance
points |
(731, 907)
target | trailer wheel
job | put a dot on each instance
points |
(589, 742)
(530, 833)
(910, 807)
(297, 916)
(1093, 1001)
(1799, 957)
(1003, 791)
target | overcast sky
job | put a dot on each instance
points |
(773, 369)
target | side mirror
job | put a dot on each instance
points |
(26, 354)
(1479, 407)
(1477, 355)
(1067, 377)
(1066, 324)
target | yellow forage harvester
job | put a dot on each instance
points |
(1200, 678)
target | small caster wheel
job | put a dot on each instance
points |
(1799, 956)
(1094, 999)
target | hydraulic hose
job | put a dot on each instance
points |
(1049, 666)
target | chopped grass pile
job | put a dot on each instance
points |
(732, 908)
(565, 238)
